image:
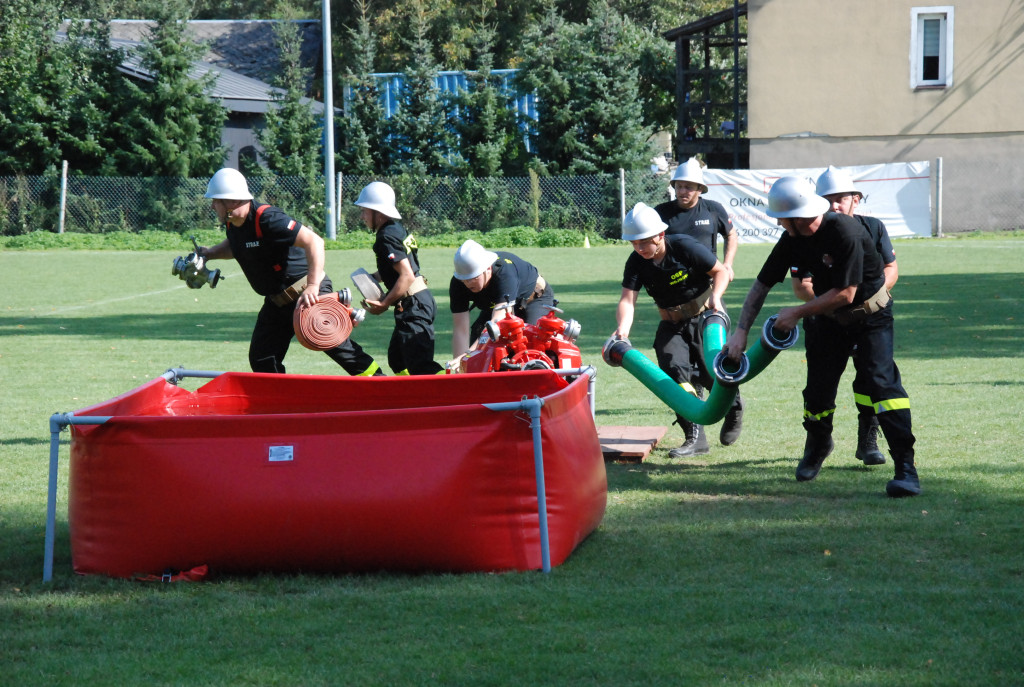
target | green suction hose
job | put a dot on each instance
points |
(620, 353)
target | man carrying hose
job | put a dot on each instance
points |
(852, 308)
(284, 262)
(684, 278)
(836, 186)
(411, 351)
(704, 220)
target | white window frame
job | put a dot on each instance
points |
(917, 17)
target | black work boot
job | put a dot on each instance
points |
(867, 440)
(696, 443)
(905, 482)
(816, 449)
(732, 424)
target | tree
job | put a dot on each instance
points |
(541, 72)
(293, 136)
(420, 133)
(610, 133)
(490, 140)
(363, 128)
(292, 139)
(59, 94)
(590, 115)
(174, 130)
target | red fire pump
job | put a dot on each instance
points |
(511, 344)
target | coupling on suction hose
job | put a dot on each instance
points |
(726, 376)
(710, 316)
(776, 340)
(614, 349)
(772, 343)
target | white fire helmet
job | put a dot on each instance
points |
(378, 196)
(794, 196)
(228, 184)
(835, 180)
(692, 171)
(642, 222)
(471, 259)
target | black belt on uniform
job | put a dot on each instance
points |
(684, 311)
(289, 295)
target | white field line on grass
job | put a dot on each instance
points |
(108, 301)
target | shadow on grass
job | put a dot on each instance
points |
(773, 477)
(937, 316)
(221, 326)
(968, 314)
(27, 441)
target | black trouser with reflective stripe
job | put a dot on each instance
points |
(275, 330)
(877, 384)
(411, 350)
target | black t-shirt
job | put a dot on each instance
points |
(705, 221)
(392, 245)
(512, 279)
(267, 254)
(838, 255)
(879, 237)
(681, 277)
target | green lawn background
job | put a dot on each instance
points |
(718, 570)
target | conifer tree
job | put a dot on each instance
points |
(611, 134)
(59, 95)
(174, 129)
(364, 150)
(95, 99)
(25, 115)
(541, 72)
(420, 132)
(292, 139)
(490, 141)
(590, 115)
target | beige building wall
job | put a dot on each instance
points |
(830, 83)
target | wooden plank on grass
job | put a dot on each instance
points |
(628, 444)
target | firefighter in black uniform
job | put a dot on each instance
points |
(411, 351)
(852, 308)
(499, 284)
(705, 220)
(684, 278)
(284, 262)
(836, 186)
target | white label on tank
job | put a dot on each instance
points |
(281, 454)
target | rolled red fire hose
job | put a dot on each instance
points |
(323, 325)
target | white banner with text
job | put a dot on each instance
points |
(897, 193)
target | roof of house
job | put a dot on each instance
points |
(243, 46)
(242, 49)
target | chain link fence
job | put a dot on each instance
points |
(429, 205)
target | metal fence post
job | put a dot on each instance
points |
(63, 195)
(622, 193)
(332, 214)
(341, 178)
(937, 228)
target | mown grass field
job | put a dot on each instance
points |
(717, 570)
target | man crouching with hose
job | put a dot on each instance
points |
(284, 262)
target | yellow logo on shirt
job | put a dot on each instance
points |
(678, 278)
